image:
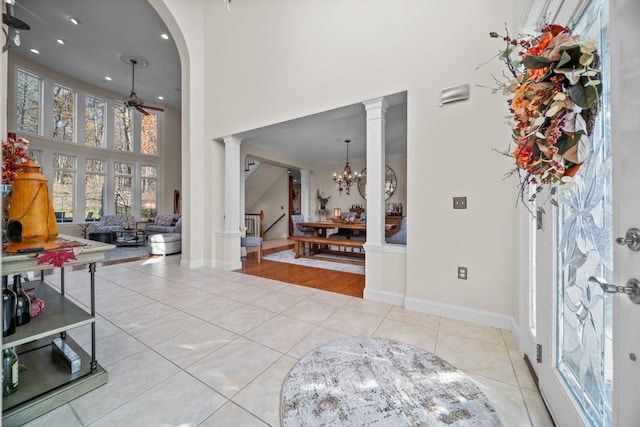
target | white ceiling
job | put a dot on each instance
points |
(110, 29)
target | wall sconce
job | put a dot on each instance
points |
(337, 213)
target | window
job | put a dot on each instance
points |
(123, 128)
(63, 112)
(149, 134)
(149, 191)
(94, 121)
(122, 187)
(37, 156)
(86, 184)
(95, 172)
(27, 102)
(64, 176)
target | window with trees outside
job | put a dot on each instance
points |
(94, 116)
(94, 180)
(149, 134)
(99, 156)
(27, 102)
(149, 191)
(63, 112)
(123, 128)
(64, 175)
(122, 188)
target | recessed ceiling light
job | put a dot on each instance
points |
(74, 21)
(164, 36)
(107, 78)
(36, 51)
(60, 41)
(161, 98)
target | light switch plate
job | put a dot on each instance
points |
(459, 203)
(462, 273)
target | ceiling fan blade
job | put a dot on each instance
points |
(148, 107)
(139, 108)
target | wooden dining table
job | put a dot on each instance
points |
(320, 227)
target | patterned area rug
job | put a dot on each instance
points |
(317, 262)
(372, 381)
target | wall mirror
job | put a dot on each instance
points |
(390, 183)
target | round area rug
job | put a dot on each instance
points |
(373, 381)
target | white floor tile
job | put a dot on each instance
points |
(210, 347)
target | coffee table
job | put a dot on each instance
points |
(131, 237)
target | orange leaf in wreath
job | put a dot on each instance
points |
(572, 170)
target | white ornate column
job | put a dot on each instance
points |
(374, 246)
(376, 110)
(304, 193)
(231, 234)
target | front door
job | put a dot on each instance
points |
(581, 341)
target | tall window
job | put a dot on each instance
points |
(149, 191)
(27, 102)
(123, 128)
(95, 173)
(64, 176)
(149, 134)
(94, 121)
(63, 112)
(122, 187)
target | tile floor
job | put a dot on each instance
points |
(212, 348)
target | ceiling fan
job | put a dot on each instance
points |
(133, 100)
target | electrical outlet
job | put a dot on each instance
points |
(462, 273)
(459, 203)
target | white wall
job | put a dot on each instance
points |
(267, 62)
(267, 191)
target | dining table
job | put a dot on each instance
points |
(320, 227)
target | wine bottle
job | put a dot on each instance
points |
(8, 308)
(9, 371)
(23, 302)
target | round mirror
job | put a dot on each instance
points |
(390, 183)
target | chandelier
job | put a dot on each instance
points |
(347, 178)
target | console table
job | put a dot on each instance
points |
(46, 384)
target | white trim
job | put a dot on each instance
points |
(388, 297)
(480, 317)
(190, 265)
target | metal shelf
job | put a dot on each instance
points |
(58, 315)
(45, 383)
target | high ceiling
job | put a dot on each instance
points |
(112, 29)
(108, 29)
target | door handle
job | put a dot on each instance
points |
(632, 289)
(632, 239)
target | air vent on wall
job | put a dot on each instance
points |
(455, 93)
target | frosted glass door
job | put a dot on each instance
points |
(583, 359)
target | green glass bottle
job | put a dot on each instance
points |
(8, 309)
(9, 371)
(23, 302)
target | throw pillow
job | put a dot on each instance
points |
(174, 221)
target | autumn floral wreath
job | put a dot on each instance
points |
(554, 98)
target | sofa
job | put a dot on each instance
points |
(171, 223)
(113, 223)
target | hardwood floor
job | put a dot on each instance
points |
(329, 280)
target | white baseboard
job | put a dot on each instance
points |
(193, 264)
(480, 317)
(388, 297)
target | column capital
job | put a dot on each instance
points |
(231, 139)
(373, 105)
